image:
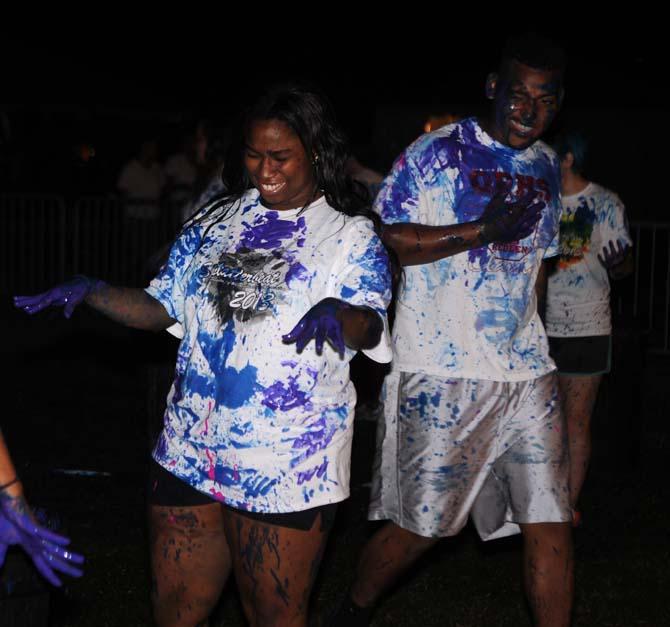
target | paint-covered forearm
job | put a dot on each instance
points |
(501, 221)
(362, 327)
(129, 306)
(132, 307)
(417, 244)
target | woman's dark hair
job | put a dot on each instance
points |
(310, 116)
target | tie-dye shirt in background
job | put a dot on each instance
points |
(578, 296)
(250, 421)
(472, 315)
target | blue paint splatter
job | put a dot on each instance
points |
(258, 486)
(235, 387)
(296, 272)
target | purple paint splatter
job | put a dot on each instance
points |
(268, 231)
(319, 471)
(285, 396)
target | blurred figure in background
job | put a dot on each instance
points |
(181, 171)
(595, 246)
(210, 143)
(181, 167)
(140, 185)
(367, 177)
(141, 182)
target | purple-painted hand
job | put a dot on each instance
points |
(322, 324)
(613, 256)
(46, 548)
(510, 221)
(68, 294)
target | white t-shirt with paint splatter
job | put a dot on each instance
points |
(472, 315)
(250, 421)
(578, 295)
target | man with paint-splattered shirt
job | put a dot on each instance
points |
(479, 320)
(473, 424)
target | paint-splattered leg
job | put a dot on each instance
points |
(386, 556)
(275, 568)
(190, 563)
(579, 396)
(548, 572)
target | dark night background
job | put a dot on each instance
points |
(105, 81)
(88, 388)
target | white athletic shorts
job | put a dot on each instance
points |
(452, 447)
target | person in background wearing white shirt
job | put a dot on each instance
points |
(141, 183)
(595, 246)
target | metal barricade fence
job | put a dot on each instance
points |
(44, 240)
(33, 251)
(96, 232)
(647, 300)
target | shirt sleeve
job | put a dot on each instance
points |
(614, 223)
(168, 285)
(361, 276)
(400, 196)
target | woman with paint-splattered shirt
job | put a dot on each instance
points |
(254, 455)
(251, 421)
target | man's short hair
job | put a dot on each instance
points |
(575, 143)
(533, 50)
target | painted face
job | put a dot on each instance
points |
(278, 166)
(526, 101)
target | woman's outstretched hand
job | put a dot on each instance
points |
(46, 548)
(322, 324)
(68, 295)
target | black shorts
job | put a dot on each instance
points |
(166, 490)
(582, 356)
